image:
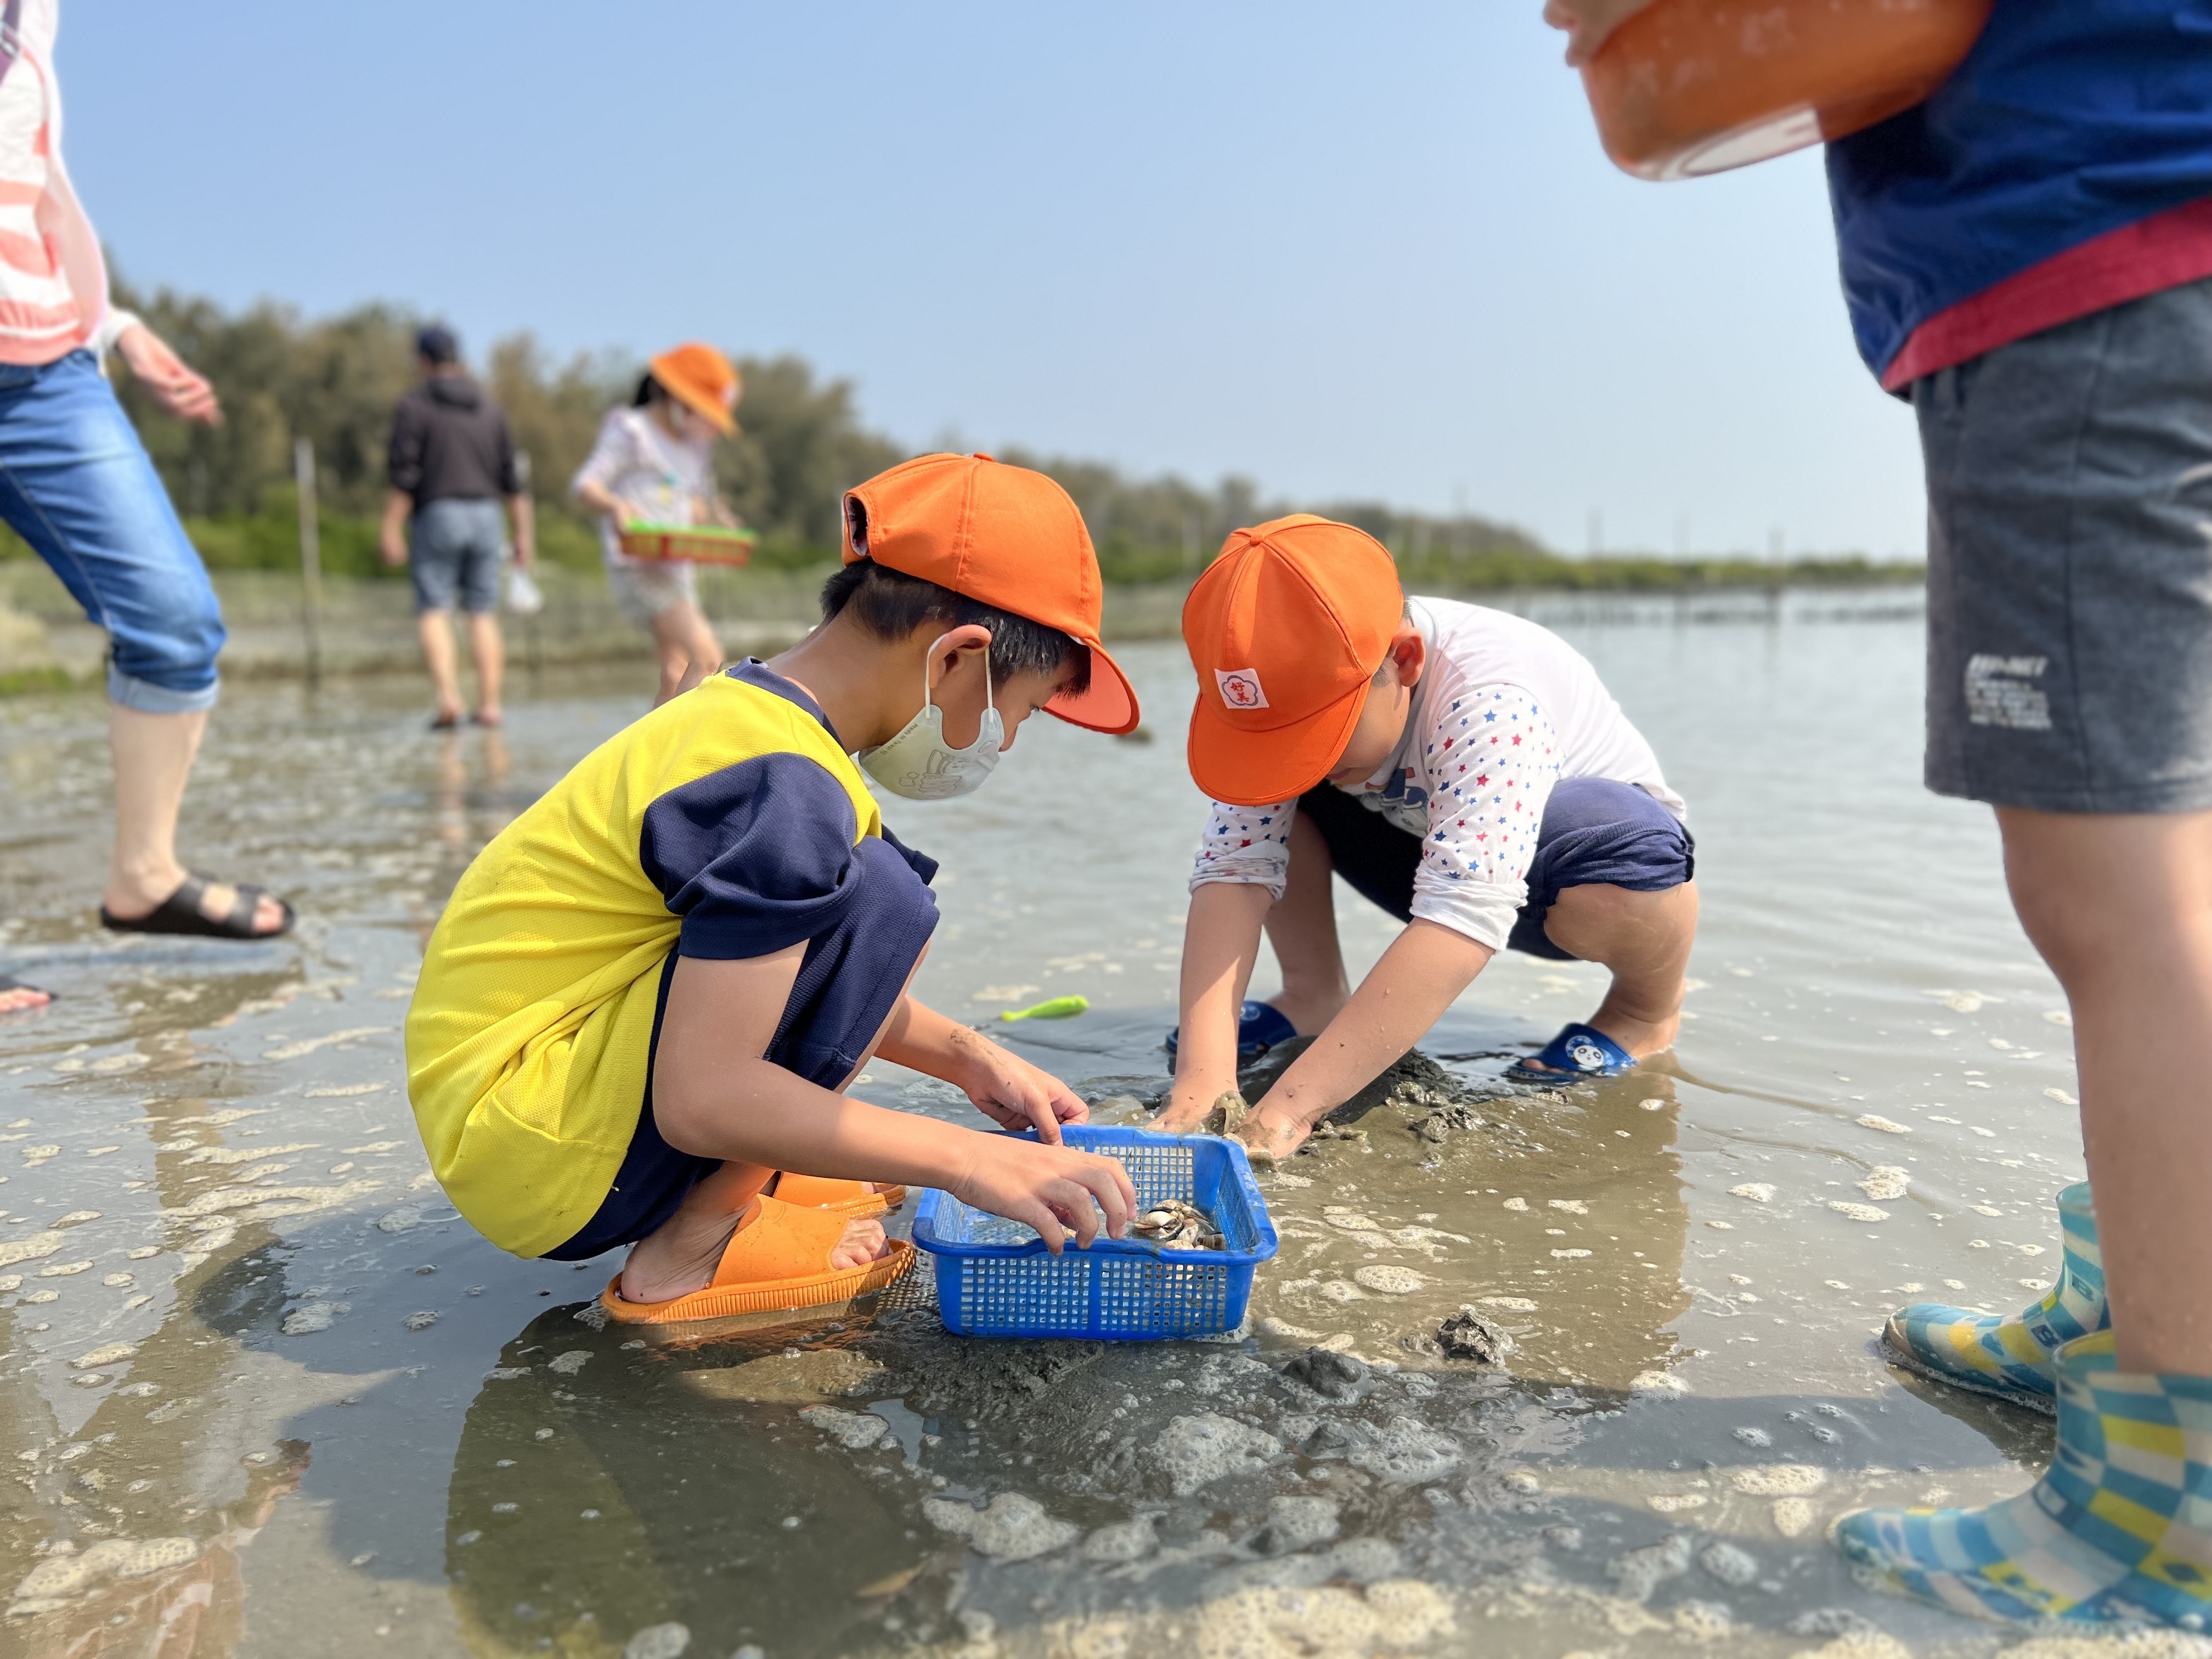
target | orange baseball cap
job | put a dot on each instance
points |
(1286, 628)
(703, 381)
(1006, 536)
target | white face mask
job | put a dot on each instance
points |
(919, 764)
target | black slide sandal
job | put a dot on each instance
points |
(180, 912)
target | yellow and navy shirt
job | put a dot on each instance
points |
(721, 826)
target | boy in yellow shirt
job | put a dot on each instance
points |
(638, 1014)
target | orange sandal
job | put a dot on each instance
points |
(850, 1199)
(774, 1264)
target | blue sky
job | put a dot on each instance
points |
(1345, 251)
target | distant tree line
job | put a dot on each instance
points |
(334, 380)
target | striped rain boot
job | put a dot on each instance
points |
(2120, 1530)
(2009, 1356)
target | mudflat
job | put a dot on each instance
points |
(260, 1378)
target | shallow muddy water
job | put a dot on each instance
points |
(266, 1395)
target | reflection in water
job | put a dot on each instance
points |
(193, 1610)
(600, 1487)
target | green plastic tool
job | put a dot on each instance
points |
(1053, 1008)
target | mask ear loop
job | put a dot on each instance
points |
(929, 691)
(927, 699)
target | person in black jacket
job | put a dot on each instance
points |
(452, 458)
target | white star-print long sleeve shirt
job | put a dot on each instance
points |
(1504, 709)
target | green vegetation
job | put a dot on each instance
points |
(335, 379)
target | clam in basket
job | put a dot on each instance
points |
(994, 1276)
(691, 544)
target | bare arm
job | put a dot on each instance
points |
(714, 1095)
(1005, 1087)
(596, 497)
(1220, 946)
(1425, 969)
(176, 385)
(392, 534)
(524, 512)
(1589, 23)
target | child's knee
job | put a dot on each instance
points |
(1600, 919)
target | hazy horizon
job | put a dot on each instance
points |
(1347, 257)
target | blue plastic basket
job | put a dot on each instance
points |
(994, 1276)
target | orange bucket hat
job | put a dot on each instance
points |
(1286, 628)
(703, 381)
(1006, 536)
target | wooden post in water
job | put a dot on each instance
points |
(311, 557)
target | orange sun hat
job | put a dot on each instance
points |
(703, 381)
(1286, 628)
(1006, 536)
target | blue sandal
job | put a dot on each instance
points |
(1578, 1051)
(1260, 1027)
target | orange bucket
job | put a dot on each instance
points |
(1692, 86)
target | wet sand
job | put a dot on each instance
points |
(265, 1395)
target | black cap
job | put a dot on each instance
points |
(437, 344)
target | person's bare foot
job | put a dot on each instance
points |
(487, 717)
(20, 998)
(1642, 1038)
(682, 1257)
(131, 898)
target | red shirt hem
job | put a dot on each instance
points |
(2153, 255)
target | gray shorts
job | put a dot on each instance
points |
(454, 548)
(2069, 564)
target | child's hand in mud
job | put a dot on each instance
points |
(1016, 1094)
(1271, 1136)
(1051, 1188)
(1188, 1104)
(1588, 23)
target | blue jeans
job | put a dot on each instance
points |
(76, 484)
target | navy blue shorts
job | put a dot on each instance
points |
(849, 980)
(1596, 833)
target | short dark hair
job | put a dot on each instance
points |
(649, 391)
(891, 605)
(437, 344)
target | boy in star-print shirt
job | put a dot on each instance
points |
(1463, 768)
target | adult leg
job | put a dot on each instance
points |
(1301, 929)
(483, 540)
(436, 629)
(488, 646)
(75, 483)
